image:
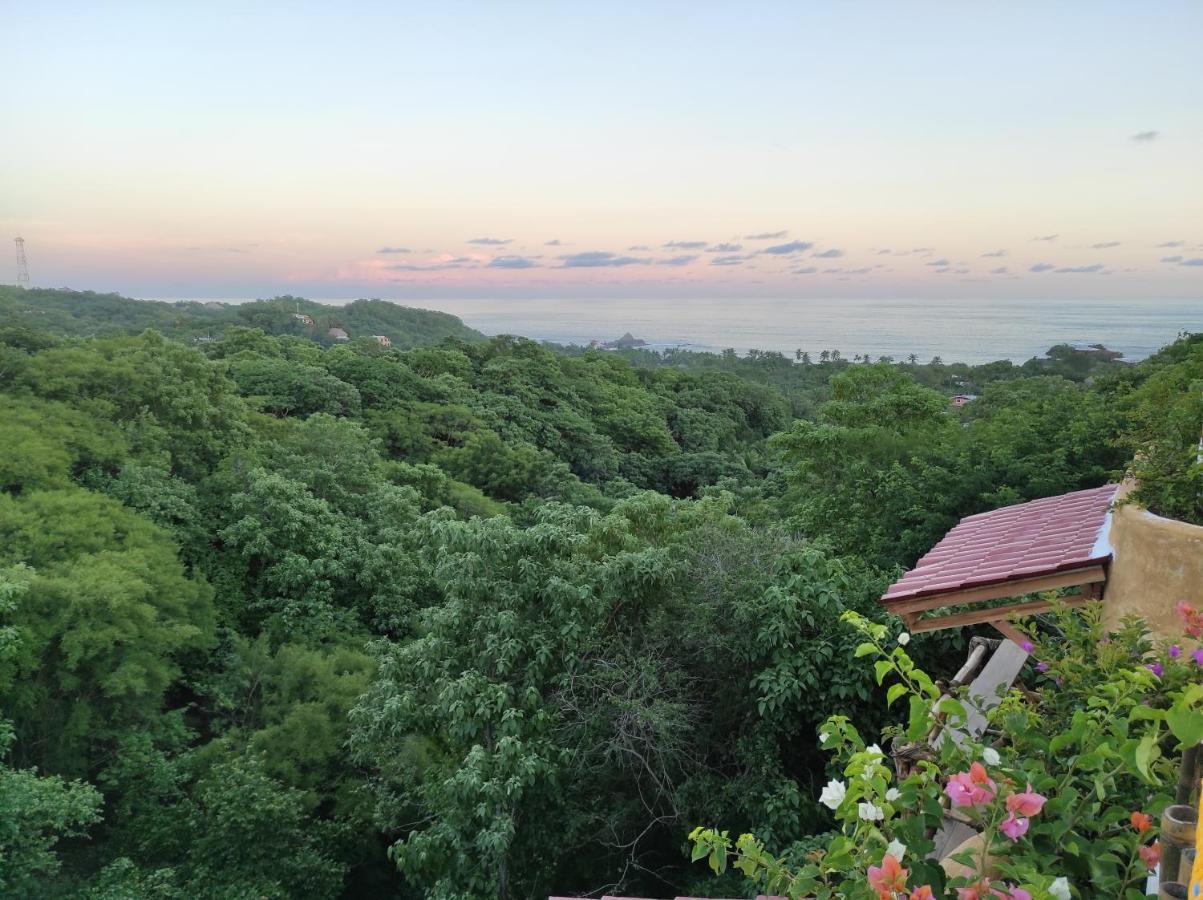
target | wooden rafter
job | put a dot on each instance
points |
(1008, 630)
(1013, 588)
(994, 614)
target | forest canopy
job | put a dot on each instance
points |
(465, 617)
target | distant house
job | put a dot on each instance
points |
(961, 399)
(337, 334)
(304, 318)
(203, 339)
(382, 340)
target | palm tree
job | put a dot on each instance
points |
(835, 355)
(798, 355)
(824, 356)
(805, 358)
(936, 361)
(912, 359)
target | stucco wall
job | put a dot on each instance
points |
(1156, 564)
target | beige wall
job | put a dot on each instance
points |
(1156, 564)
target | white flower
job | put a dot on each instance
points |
(869, 812)
(990, 757)
(904, 639)
(891, 795)
(873, 748)
(1060, 888)
(833, 795)
(896, 849)
(823, 736)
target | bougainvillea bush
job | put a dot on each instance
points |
(1063, 788)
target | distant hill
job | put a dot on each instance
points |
(83, 313)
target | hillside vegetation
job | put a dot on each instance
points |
(461, 618)
(87, 314)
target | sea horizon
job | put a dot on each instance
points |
(957, 330)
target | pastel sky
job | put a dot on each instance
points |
(495, 149)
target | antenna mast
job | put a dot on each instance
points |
(22, 265)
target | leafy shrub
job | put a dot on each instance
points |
(1167, 417)
(1062, 803)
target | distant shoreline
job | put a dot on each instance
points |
(961, 331)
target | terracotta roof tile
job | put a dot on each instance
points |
(1040, 537)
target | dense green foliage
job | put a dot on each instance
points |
(86, 314)
(1166, 408)
(283, 619)
(1062, 797)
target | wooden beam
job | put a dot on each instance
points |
(1072, 578)
(1007, 630)
(995, 613)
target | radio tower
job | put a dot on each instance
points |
(22, 265)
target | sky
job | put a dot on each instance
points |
(523, 149)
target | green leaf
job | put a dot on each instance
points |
(865, 649)
(1146, 713)
(1095, 758)
(1185, 723)
(954, 709)
(918, 721)
(1146, 752)
(895, 691)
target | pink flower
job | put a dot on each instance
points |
(888, 878)
(972, 788)
(1151, 854)
(1026, 803)
(1016, 893)
(1013, 827)
(974, 891)
(963, 792)
(1141, 822)
(923, 892)
(1192, 619)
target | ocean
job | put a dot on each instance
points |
(973, 331)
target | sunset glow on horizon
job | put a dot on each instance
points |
(481, 150)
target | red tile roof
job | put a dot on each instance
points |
(1040, 537)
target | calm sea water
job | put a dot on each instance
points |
(968, 331)
(961, 330)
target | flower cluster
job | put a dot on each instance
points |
(1192, 620)
(1099, 739)
(975, 789)
(1150, 854)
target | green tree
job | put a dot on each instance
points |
(167, 398)
(36, 812)
(285, 388)
(108, 612)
